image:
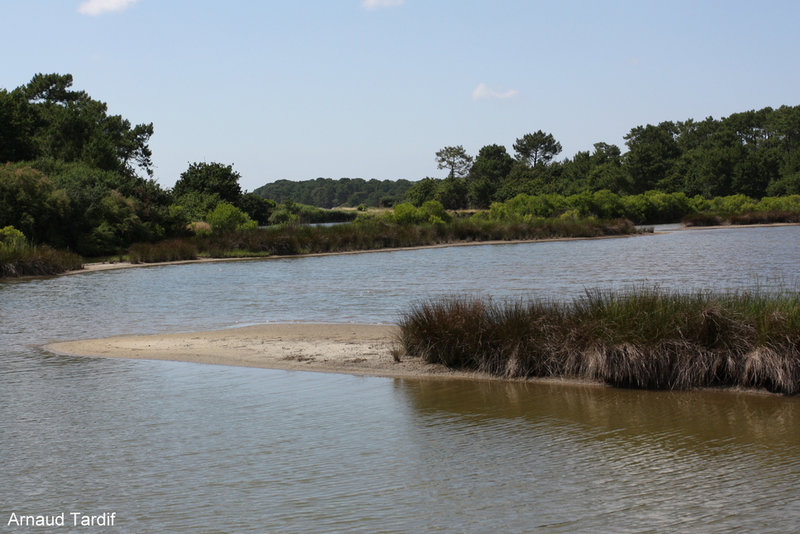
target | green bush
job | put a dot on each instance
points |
(226, 217)
(19, 258)
(10, 238)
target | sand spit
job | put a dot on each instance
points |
(352, 349)
(333, 348)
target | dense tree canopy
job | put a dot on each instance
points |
(210, 179)
(491, 166)
(330, 193)
(755, 153)
(46, 119)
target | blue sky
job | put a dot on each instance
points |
(350, 88)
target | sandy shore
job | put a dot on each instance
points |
(325, 348)
(333, 348)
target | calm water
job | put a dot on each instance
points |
(176, 447)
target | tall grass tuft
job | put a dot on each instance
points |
(283, 240)
(30, 260)
(170, 250)
(643, 338)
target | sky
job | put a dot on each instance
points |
(303, 89)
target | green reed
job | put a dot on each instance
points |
(373, 234)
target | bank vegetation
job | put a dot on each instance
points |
(644, 338)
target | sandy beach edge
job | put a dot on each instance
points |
(343, 348)
(355, 349)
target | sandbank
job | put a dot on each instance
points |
(353, 349)
(330, 348)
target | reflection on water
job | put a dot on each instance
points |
(694, 416)
(174, 447)
(598, 459)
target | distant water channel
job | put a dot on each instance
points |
(180, 447)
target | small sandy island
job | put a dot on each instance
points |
(332, 348)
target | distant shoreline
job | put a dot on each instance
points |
(107, 266)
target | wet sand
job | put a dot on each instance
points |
(353, 349)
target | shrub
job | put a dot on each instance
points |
(19, 258)
(226, 217)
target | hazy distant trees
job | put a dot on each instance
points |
(330, 193)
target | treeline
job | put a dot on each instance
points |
(329, 193)
(76, 178)
(753, 153)
(403, 226)
(652, 207)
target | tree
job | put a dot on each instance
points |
(652, 151)
(16, 127)
(452, 193)
(210, 178)
(30, 202)
(70, 126)
(454, 158)
(538, 148)
(607, 171)
(259, 209)
(423, 191)
(491, 167)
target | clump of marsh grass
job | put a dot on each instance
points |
(32, 260)
(170, 250)
(367, 234)
(643, 338)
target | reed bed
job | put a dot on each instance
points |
(749, 217)
(170, 250)
(286, 240)
(643, 338)
(29, 260)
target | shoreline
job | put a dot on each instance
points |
(339, 348)
(343, 348)
(108, 266)
(105, 266)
